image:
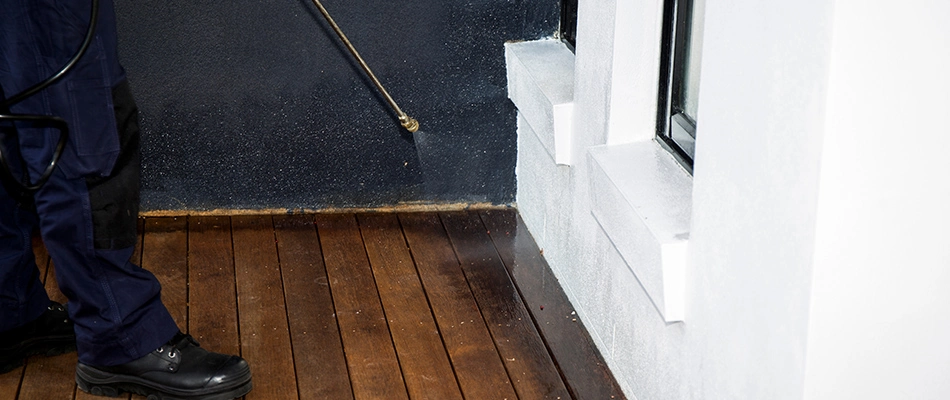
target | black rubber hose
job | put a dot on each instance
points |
(6, 174)
(90, 35)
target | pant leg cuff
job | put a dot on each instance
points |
(135, 342)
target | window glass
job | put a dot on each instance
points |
(679, 73)
(690, 95)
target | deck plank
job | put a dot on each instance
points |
(404, 305)
(477, 364)
(265, 337)
(529, 365)
(582, 366)
(212, 296)
(165, 255)
(212, 316)
(367, 343)
(422, 356)
(318, 350)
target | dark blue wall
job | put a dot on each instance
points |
(256, 104)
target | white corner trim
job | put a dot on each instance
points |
(541, 85)
(563, 132)
(642, 199)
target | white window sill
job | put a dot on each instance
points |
(541, 85)
(642, 199)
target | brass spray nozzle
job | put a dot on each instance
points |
(409, 123)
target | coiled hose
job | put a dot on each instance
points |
(19, 188)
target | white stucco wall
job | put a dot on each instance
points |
(818, 206)
(880, 308)
(762, 98)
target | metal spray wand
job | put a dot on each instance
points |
(406, 121)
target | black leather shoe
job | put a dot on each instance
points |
(180, 370)
(50, 334)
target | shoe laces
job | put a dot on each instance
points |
(171, 351)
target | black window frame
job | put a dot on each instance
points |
(567, 30)
(675, 129)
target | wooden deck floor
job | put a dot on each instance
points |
(369, 306)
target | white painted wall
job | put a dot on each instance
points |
(819, 256)
(880, 309)
(756, 174)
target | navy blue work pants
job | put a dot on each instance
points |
(86, 213)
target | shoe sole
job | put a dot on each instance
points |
(48, 347)
(114, 385)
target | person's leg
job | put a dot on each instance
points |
(115, 304)
(89, 226)
(30, 323)
(22, 297)
(179, 367)
(127, 340)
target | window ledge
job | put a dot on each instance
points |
(642, 199)
(541, 85)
